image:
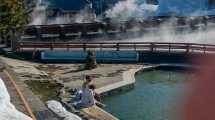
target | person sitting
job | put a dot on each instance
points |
(97, 97)
(86, 98)
(85, 84)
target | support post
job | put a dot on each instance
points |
(34, 53)
(101, 46)
(135, 47)
(188, 48)
(152, 47)
(52, 47)
(61, 32)
(67, 47)
(38, 32)
(204, 49)
(84, 47)
(117, 47)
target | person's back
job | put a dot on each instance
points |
(87, 97)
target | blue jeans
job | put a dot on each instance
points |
(79, 105)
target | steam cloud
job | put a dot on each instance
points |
(129, 9)
(167, 32)
(39, 17)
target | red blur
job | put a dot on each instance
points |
(200, 101)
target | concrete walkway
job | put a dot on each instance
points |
(106, 77)
(38, 107)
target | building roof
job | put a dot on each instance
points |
(67, 5)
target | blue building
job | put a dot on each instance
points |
(98, 6)
(186, 7)
(67, 5)
(166, 7)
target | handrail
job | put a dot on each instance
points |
(119, 45)
(179, 43)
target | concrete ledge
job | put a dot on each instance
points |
(98, 113)
(129, 78)
(127, 82)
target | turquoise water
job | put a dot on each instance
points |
(157, 96)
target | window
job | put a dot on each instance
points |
(154, 2)
(211, 4)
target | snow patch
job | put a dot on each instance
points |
(7, 109)
(58, 109)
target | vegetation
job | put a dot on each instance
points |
(13, 19)
(45, 90)
(90, 60)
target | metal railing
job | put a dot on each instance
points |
(119, 46)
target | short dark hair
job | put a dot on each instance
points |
(88, 77)
(92, 86)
